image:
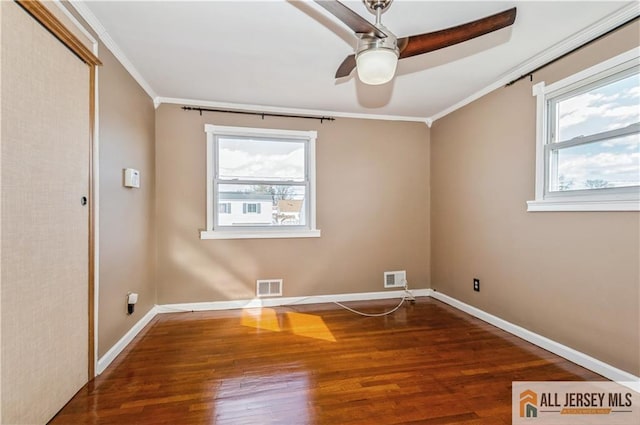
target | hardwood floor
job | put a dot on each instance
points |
(427, 363)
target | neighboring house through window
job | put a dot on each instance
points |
(588, 139)
(260, 183)
(252, 208)
(224, 207)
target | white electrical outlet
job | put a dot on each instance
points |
(132, 298)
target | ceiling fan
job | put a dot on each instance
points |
(379, 49)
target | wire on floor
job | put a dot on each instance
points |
(408, 296)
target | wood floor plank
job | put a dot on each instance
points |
(427, 363)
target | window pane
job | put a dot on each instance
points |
(248, 159)
(611, 163)
(262, 205)
(608, 107)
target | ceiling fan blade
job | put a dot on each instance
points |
(346, 67)
(423, 43)
(357, 23)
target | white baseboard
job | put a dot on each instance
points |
(561, 350)
(117, 348)
(282, 301)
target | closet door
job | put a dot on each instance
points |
(44, 252)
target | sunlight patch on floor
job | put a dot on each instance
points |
(309, 325)
(306, 325)
(261, 318)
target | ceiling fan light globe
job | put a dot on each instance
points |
(376, 66)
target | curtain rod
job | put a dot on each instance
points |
(530, 74)
(261, 114)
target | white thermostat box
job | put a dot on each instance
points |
(131, 177)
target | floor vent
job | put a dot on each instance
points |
(395, 279)
(269, 288)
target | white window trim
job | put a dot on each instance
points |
(627, 199)
(310, 231)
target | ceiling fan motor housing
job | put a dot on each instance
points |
(367, 42)
(376, 58)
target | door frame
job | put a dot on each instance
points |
(51, 23)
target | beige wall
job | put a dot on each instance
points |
(127, 224)
(570, 276)
(373, 203)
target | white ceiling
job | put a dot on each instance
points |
(284, 53)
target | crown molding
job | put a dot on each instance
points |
(78, 25)
(280, 110)
(110, 44)
(578, 39)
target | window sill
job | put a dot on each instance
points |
(574, 205)
(222, 234)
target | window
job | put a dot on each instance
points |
(588, 139)
(250, 208)
(260, 183)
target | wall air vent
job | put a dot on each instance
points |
(269, 288)
(396, 279)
